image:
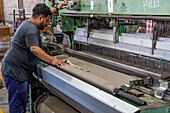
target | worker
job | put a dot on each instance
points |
(24, 54)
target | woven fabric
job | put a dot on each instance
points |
(149, 26)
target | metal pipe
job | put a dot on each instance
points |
(30, 98)
(23, 14)
(20, 6)
(134, 99)
(14, 15)
(2, 11)
(163, 18)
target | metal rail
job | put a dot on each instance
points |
(163, 18)
(87, 95)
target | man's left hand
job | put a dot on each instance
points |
(61, 5)
(58, 63)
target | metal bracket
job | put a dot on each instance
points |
(159, 92)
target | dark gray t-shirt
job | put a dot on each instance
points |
(19, 62)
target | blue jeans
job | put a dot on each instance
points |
(17, 94)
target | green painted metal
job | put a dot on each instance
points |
(49, 3)
(99, 7)
(165, 109)
(142, 7)
(132, 7)
(10, 39)
(68, 26)
(54, 17)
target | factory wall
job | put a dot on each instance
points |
(9, 5)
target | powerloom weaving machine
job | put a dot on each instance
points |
(113, 64)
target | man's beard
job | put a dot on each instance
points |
(41, 26)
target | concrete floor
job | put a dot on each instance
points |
(4, 100)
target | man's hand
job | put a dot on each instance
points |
(58, 7)
(37, 51)
(61, 5)
(58, 63)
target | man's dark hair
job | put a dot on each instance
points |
(41, 9)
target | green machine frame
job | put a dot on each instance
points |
(130, 7)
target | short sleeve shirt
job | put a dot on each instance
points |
(19, 62)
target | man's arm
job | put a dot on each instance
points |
(37, 51)
(56, 9)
